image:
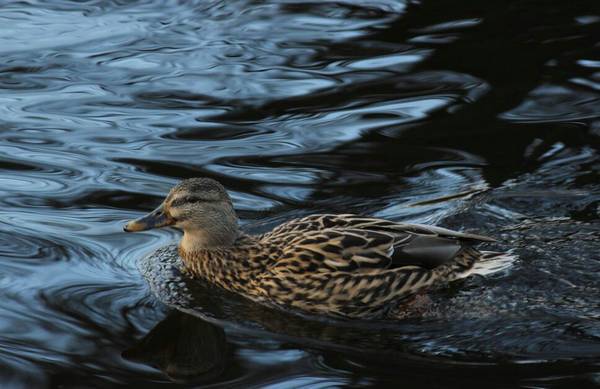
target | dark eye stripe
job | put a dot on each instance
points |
(189, 200)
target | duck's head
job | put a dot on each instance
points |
(201, 208)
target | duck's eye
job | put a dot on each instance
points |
(186, 200)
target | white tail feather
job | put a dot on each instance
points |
(490, 262)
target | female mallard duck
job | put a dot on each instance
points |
(339, 265)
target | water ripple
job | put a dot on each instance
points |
(414, 111)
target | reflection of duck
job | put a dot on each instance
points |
(184, 347)
(191, 350)
(340, 265)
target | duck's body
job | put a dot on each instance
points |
(337, 265)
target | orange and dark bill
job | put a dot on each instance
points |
(155, 219)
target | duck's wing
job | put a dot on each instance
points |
(326, 221)
(350, 243)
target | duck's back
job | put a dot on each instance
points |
(357, 266)
(350, 242)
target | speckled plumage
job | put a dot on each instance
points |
(340, 265)
(337, 265)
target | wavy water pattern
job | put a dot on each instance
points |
(429, 112)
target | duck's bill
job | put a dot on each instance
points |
(154, 219)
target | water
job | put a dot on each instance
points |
(472, 115)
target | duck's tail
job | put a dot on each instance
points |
(482, 263)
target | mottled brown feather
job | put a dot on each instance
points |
(340, 265)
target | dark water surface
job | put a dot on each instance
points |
(475, 115)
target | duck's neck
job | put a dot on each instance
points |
(231, 267)
(217, 237)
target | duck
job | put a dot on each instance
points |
(334, 265)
